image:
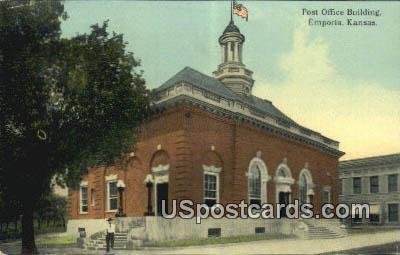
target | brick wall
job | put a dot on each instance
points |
(190, 137)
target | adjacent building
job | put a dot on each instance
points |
(373, 180)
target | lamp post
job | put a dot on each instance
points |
(149, 185)
(120, 188)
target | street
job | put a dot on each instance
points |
(378, 243)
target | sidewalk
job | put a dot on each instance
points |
(292, 246)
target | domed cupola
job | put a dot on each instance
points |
(231, 28)
(232, 72)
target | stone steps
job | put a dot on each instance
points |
(324, 230)
(120, 240)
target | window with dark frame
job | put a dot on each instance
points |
(210, 189)
(374, 218)
(233, 50)
(84, 199)
(112, 196)
(357, 185)
(340, 186)
(374, 213)
(254, 185)
(214, 232)
(326, 197)
(393, 212)
(259, 230)
(392, 183)
(303, 189)
(226, 53)
(374, 184)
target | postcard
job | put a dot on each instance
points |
(199, 127)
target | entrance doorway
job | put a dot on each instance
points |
(284, 198)
(162, 194)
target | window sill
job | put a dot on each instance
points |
(111, 211)
(83, 212)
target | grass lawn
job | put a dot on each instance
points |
(55, 240)
(41, 242)
(220, 240)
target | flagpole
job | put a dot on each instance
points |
(231, 10)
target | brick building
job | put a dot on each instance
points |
(213, 141)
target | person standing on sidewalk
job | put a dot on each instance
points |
(110, 231)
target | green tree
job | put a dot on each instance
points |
(66, 104)
(51, 209)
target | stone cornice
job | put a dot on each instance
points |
(205, 100)
(378, 162)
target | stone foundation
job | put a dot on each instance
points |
(160, 229)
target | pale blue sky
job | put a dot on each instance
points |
(341, 81)
(167, 36)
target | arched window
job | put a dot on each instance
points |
(303, 189)
(255, 185)
(257, 178)
(305, 186)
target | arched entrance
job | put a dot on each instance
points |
(160, 170)
(283, 180)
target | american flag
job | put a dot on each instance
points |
(240, 10)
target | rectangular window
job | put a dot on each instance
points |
(83, 199)
(112, 196)
(374, 184)
(374, 218)
(226, 53)
(326, 198)
(392, 183)
(233, 50)
(340, 186)
(374, 213)
(210, 188)
(357, 185)
(254, 185)
(259, 230)
(92, 197)
(214, 232)
(393, 212)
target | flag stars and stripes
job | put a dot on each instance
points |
(240, 10)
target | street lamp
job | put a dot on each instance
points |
(149, 185)
(120, 188)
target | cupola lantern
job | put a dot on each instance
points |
(232, 72)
